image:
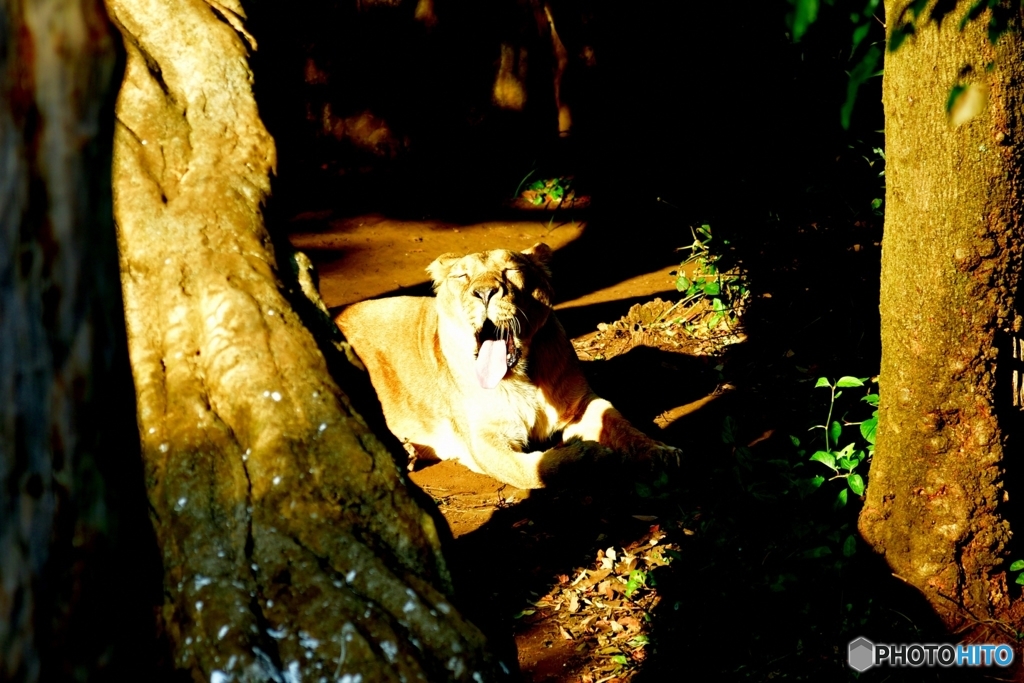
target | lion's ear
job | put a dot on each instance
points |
(440, 267)
(540, 253)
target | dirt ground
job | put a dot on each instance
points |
(559, 570)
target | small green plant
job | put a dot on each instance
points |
(844, 460)
(877, 157)
(725, 292)
(637, 579)
(552, 190)
(1017, 566)
(544, 191)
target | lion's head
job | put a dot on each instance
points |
(490, 304)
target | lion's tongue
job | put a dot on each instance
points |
(491, 364)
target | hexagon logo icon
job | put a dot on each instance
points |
(861, 654)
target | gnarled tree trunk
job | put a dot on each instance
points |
(292, 547)
(951, 262)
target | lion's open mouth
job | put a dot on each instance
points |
(497, 354)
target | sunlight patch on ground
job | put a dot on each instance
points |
(655, 283)
(367, 256)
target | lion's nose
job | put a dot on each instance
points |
(485, 292)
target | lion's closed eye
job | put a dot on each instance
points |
(515, 276)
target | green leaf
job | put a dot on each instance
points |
(841, 499)
(834, 431)
(637, 579)
(825, 458)
(640, 640)
(871, 399)
(537, 185)
(917, 7)
(805, 13)
(954, 95)
(793, 440)
(856, 484)
(1017, 566)
(823, 382)
(729, 430)
(900, 34)
(850, 546)
(1020, 579)
(524, 613)
(869, 427)
(999, 22)
(820, 551)
(864, 70)
(849, 382)
(620, 659)
(859, 34)
(973, 13)
(712, 288)
(846, 463)
(682, 283)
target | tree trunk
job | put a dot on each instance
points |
(951, 259)
(69, 469)
(292, 548)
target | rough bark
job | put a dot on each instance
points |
(292, 548)
(63, 363)
(951, 258)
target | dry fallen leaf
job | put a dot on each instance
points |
(596, 577)
(631, 623)
(626, 566)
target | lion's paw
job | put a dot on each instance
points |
(659, 454)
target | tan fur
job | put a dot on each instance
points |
(420, 353)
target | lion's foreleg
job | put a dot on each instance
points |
(538, 469)
(602, 423)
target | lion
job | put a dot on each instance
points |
(484, 373)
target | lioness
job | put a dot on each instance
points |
(484, 371)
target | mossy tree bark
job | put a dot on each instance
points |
(936, 505)
(292, 548)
